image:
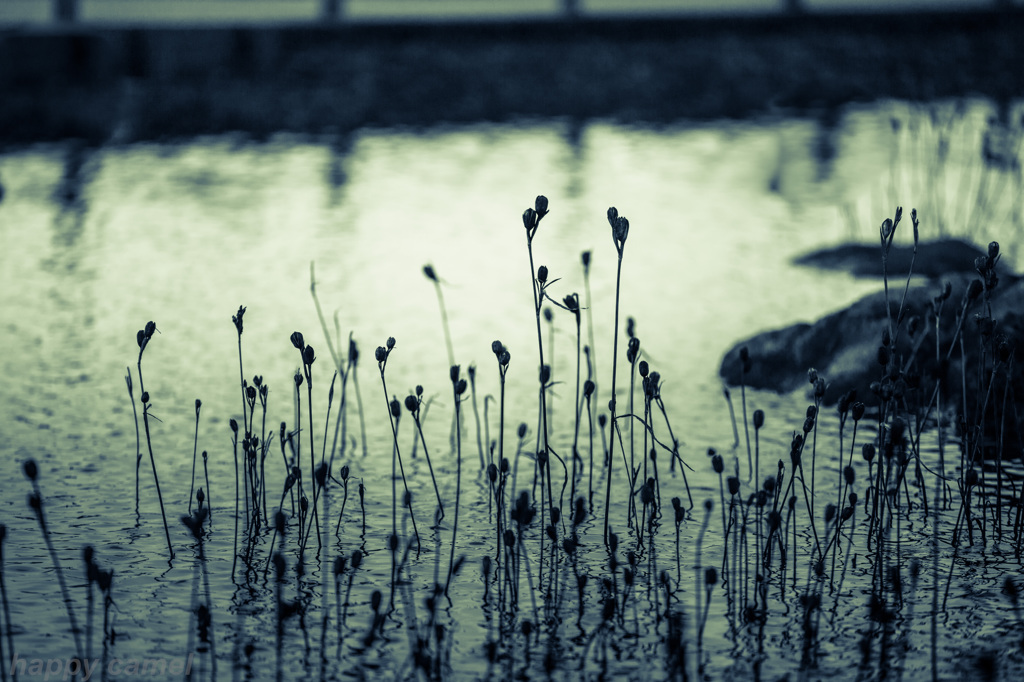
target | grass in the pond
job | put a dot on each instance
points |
(608, 581)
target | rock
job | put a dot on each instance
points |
(843, 347)
(935, 259)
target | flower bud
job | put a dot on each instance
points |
(298, 341)
(381, 354)
(540, 206)
(308, 356)
(974, 289)
(542, 274)
(521, 431)
(411, 403)
(428, 270)
(613, 216)
(993, 251)
(758, 419)
(31, 469)
(868, 451)
(529, 219)
(496, 348)
(621, 230)
(585, 258)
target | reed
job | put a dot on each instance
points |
(458, 388)
(138, 441)
(35, 502)
(143, 338)
(620, 231)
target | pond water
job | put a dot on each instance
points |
(96, 242)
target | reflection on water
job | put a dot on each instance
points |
(95, 242)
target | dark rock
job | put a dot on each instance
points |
(843, 347)
(935, 259)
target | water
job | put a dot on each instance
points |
(96, 242)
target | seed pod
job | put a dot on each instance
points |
(613, 216)
(521, 431)
(868, 451)
(830, 512)
(974, 289)
(234, 426)
(848, 474)
(145, 397)
(509, 538)
(411, 403)
(542, 274)
(585, 258)
(497, 348)
(31, 469)
(588, 388)
(644, 368)
(357, 558)
(711, 577)
(492, 472)
(298, 379)
(620, 231)
(883, 356)
(718, 464)
(308, 356)
(297, 340)
(460, 387)
(733, 484)
(758, 419)
(541, 206)
(396, 408)
(858, 411)
(529, 219)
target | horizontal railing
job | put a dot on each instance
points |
(155, 12)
